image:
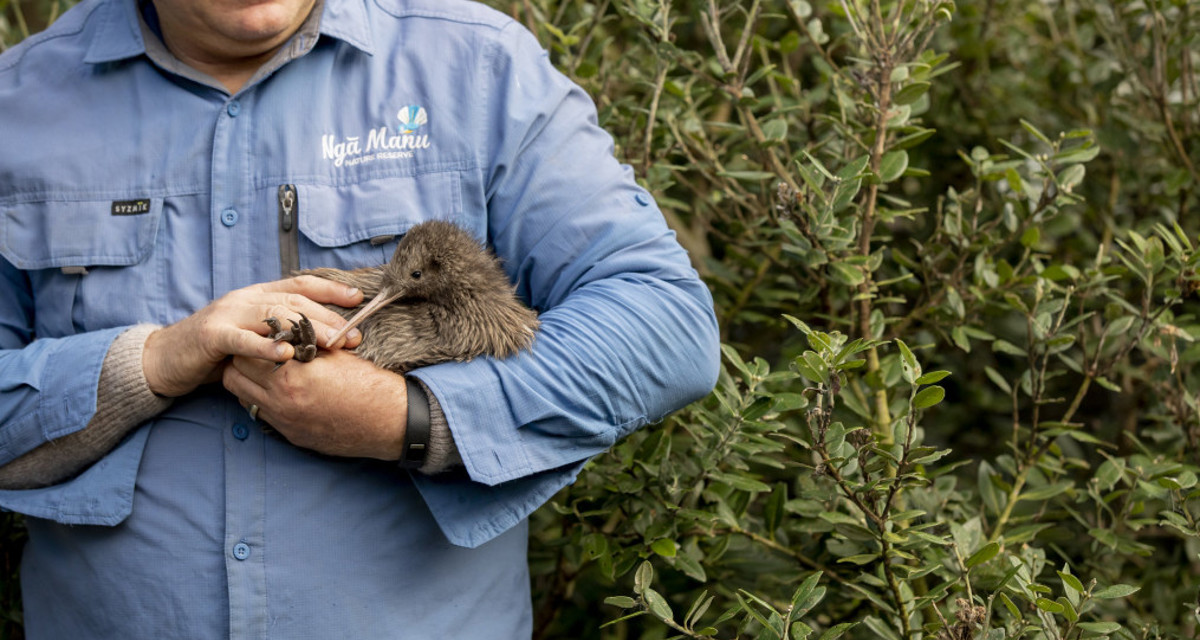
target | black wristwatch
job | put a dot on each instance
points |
(416, 435)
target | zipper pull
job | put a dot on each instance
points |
(287, 207)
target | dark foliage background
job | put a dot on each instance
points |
(953, 251)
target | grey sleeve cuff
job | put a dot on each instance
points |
(443, 453)
(123, 401)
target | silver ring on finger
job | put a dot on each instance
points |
(254, 412)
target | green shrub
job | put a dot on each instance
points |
(958, 399)
(953, 251)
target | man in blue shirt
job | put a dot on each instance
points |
(164, 166)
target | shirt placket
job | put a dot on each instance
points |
(235, 265)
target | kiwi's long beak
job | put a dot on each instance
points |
(384, 297)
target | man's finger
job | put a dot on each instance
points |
(253, 345)
(242, 386)
(317, 289)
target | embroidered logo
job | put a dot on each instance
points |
(130, 207)
(411, 118)
(382, 142)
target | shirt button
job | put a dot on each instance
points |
(229, 217)
(233, 108)
(241, 551)
(642, 199)
(241, 431)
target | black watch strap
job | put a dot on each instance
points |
(416, 435)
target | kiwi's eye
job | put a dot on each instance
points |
(416, 275)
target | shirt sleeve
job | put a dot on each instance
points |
(628, 331)
(48, 390)
(123, 401)
(47, 385)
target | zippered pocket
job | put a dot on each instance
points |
(289, 230)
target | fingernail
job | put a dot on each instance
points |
(352, 291)
(353, 334)
(280, 351)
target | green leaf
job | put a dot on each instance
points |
(1120, 326)
(928, 397)
(1008, 604)
(1100, 627)
(1071, 582)
(643, 578)
(735, 359)
(954, 299)
(931, 377)
(1076, 155)
(880, 628)
(775, 511)
(664, 547)
(1031, 236)
(1069, 611)
(815, 363)
(1046, 604)
(740, 481)
(892, 165)
(861, 558)
(820, 167)
(992, 498)
(959, 335)
(754, 612)
(846, 274)
(1035, 132)
(910, 93)
(1004, 346)
(699, 608)
(789, 42)
(625, 602)
(1116, 591)
(986, 553)
(1071, 176)
(800, 324)
(800, 631)
(658, 605)
(595, 545)
(854, 168)
(1047, 492)
(909, 367)
(913, 139)
(1109, 473)
(759, 408)
(690, 567)
(845, 193)
(747, 176)
(1167, 482)
(807, 595)
(776, 130)
(807, 371)
(837, 631)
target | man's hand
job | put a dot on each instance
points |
(193, 351)
(338, 404)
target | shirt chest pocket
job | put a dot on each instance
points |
(358, 225)
(91, 263)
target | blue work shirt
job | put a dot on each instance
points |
(134, 190)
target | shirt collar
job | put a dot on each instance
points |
(118, 33)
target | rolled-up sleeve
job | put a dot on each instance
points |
(48, 389)
(628, 331)
(47, 385)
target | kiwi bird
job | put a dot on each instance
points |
(443, 296)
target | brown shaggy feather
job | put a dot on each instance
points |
(458, 304)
